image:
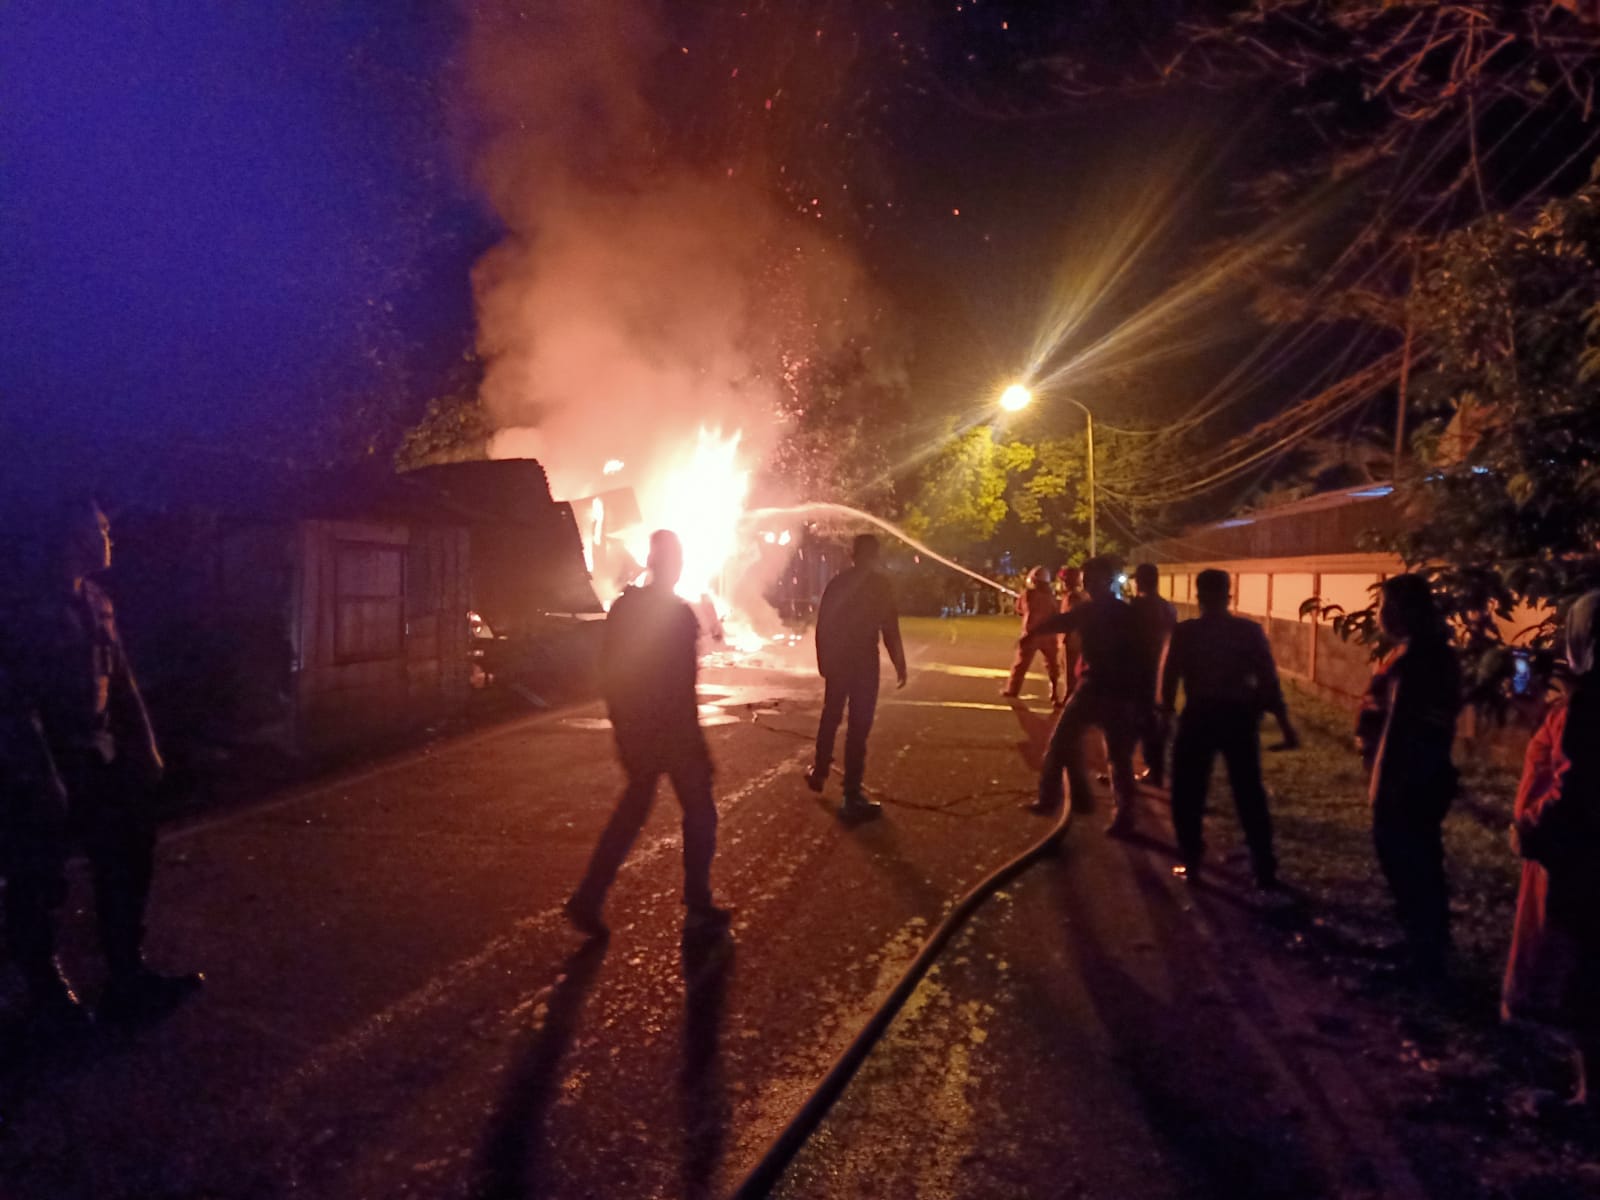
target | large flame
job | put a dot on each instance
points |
(699, 493)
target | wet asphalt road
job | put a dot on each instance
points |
(396, 1009)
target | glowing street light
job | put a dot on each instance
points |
(1015, 398)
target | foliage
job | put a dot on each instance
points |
(988, 494)
(842, 408)
(454, 428)
(1504, 506)
(962, 497)
(1377, 130)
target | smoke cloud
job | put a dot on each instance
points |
(629, 304)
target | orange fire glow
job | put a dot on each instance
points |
(700, 495)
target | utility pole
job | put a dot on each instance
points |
(1089, 445)
(1405, 377)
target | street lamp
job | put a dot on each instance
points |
(1017, 397)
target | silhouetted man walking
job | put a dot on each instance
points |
(1224, 664)
(1153, 621)
(649, 663)
(857, 610)
(1106, 695)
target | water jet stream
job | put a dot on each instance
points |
(886, 526)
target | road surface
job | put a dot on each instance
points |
(395, 1007)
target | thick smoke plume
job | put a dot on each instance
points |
(629, 304)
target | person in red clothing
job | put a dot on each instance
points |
(1036, 605)
(1406, 728)
(1553, 971)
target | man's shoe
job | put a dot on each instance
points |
(707, 918)
(1008, 694)
(857, 807)
(584, 917)
(815, 779)
(145, 995)
(1040, 809)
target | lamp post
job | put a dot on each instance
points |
(1017, 397)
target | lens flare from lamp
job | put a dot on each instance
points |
(1015, 398)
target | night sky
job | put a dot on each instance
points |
(224, 224)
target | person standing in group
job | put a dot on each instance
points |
(1035, 605)
(1069, 584)
(649, 664)
(83, 728)
(1406, 728)
(1106, 695)
(1224, 664)
(1153, 620)
(1553, 971)
(857, 611)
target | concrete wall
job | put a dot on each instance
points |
(1271, 593)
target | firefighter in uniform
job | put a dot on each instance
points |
(1035, 605)
(72, 681)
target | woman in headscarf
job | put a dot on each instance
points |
(1406, 728)
(1553, 973)
(1036, 604)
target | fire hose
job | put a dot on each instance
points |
(762, 1177)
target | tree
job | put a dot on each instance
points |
(1504, 502)
(961, 500)
(454, 427)
(1379, 129)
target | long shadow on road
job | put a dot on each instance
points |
(703, 1100)
(512, 1155)
(1198, 1082)
(1036, 730)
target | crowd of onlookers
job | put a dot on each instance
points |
(1119, 666)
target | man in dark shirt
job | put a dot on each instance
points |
(1224, 664)
(70, 670)
(857, 610)
(649, 661)
(1106, 695)
(1069, 582)
(1153, 619)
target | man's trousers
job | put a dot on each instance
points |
(1048, 647)
(1118, 720)
(1409, 839)
(1232, 730)
(859, 691)
(114, 823)
(686, 761)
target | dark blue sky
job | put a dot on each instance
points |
(207, 209)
